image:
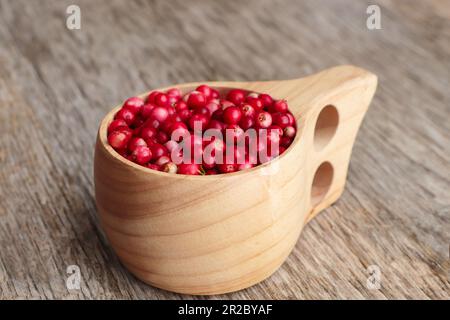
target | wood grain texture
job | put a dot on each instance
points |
(56, 85)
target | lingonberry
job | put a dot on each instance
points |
(247, 122)
(232, 115)
(256, 103)
(156, 133)
(196, 100)
(136, 142)
(160, 114)
(158, 151)
(116, 124)
(119, 139)
(206, 90)
(289, 132)
(280, 106)
(227, 168)
(170, 167)
(126, 115)
(248, 110)
(190, 169)
(237, 96)
(133, 104)
(281, 119)
(141, 155)
(153, 166)
(148, 133)
(266, 100)
(162, 100)
(263, 119)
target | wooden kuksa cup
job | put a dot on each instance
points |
(222, 233)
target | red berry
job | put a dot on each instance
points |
(162, 160)
(119, 139)
(162, 100)
(263, 119)
(146, 110)
(160, 114)
(280, 106)
(116, 124)
(232, 115)
(289, 132)
(199, 120)
(153, 166)
(179, 128)
(227, 168)
(212, 106)
(170, 167)
(158, 151)
(211, 172)
(136, 142)
(151, 96)
(248, 110)
(185, 114)
(236, 96)
(291, 119)
(196, 100)
(162, 137)
(218, 115)
(285, 142)
(266, 100)
(174, 92)
(142, 155)
(148, 133)
(256, 103)
(125, 115)
(206, 90)
(133, 104)
(190, 169)
(234, 132)
(281, 119)
(247, 123)
(215, 124)
(180, 105)
(277, 129)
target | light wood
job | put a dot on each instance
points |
(217, 234)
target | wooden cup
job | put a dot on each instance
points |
(222, 233)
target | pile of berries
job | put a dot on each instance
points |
(201, 132)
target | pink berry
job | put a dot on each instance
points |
(125, 115)
(142, 154)
(236, 96)
(136, 142)
(148, 133)
(151, 96)
(162, 100)
(248, 110)
(196, 100)
(174, 92)
(232, 115)
(206, 90)
(266, 100)
(247, 123)
(119, 139)
(200, 120)
(158, 151)
(256, 103)
(162, 160)
(133, 104)
(234, 131)
(281, 119)
(227, 168)
(170, 167)
(160, 114)
(116, 124)
(263, 119)
(153, 166)
(289, 132)
(189, 169)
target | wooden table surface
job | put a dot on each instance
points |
(56, 85)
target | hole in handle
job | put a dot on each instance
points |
(321, 183)
(326, 126)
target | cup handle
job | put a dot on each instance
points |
(329, 108)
